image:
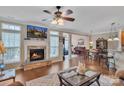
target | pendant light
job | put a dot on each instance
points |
(111, 37)
(91, 42)
(57, 21)
(116, 38)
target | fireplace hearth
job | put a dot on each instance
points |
(36, 54)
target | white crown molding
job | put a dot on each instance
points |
(66, 30)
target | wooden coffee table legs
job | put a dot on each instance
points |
(13, 79)
(97, 81)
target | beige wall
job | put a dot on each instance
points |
(75, 39)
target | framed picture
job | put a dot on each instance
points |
(36, 32)
(81, 42)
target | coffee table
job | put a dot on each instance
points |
(71, 77)
(8, 74)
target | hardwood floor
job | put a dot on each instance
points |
(24, 76)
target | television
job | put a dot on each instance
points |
(36, 32)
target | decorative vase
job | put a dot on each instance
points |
(81, 68)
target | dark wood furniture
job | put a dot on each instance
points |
(82, 52)
(108, 60)
(101, 43)
(102, 57)
(111, 62)
(102, 46)
(70, 77)
(93, 54)
(8, 74)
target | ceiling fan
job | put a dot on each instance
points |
(58, 17)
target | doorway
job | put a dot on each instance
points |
(66, 47)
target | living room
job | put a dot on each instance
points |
(86, 44)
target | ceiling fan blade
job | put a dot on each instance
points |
(44, 19)
(46, 11)
(47, 19)
(68, 18)
(68, 12)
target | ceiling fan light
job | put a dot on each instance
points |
(91, 42)
(54, 22)
(60, 20)
(60, 23)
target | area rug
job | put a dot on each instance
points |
(6, 83)
(52, 80)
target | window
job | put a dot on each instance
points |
(54, 44)
(66, 43)
(11, 38)
(10, 27)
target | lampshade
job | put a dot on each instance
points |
(91, 42)
(60, 20)
(2, 48)
(54, 22)
(57, 21)
(60, 23)
(116, 39)
(110, 39)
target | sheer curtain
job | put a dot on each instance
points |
(54, 44)
(11, 37)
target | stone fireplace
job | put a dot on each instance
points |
(36, 53)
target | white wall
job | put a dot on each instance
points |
(75, 39)
(111, 44)
(26, 43)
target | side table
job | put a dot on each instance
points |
(8, 74)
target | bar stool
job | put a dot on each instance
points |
(111, 63)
